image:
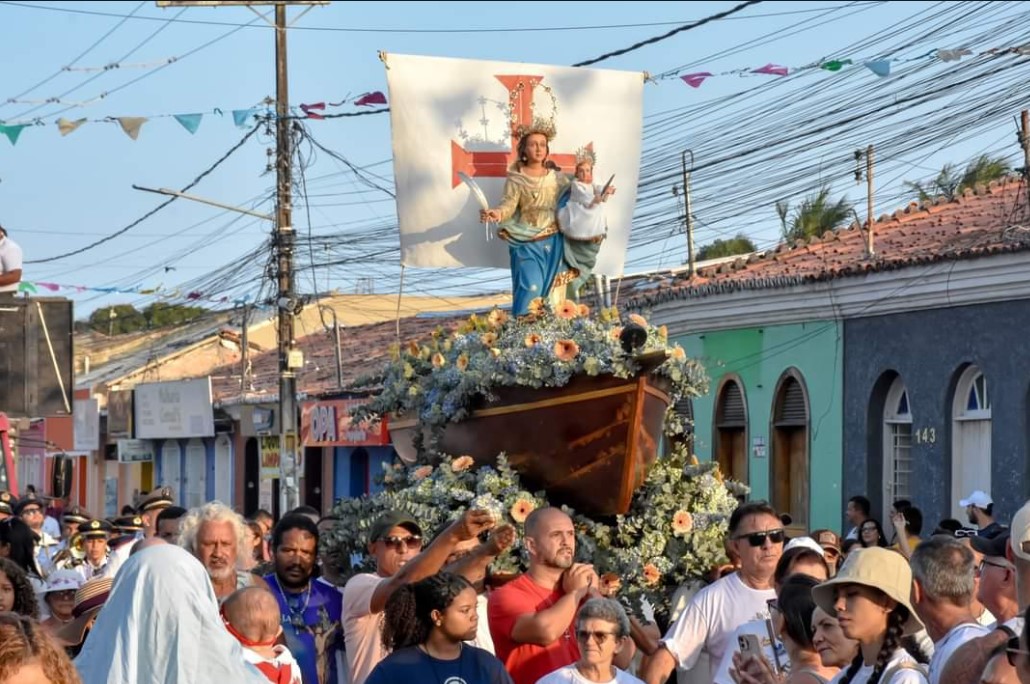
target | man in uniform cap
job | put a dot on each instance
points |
(127, 530)
(73, 517)
(30, 509)
(99, 561)
(6, 505)
(151, 505)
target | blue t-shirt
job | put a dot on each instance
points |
(311, 625)
(473, 666)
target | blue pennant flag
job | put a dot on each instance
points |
(240, 116)
(191, 122)
(880, 67)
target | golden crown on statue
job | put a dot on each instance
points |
(540, 124)
(586, 154)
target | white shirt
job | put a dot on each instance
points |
(907, 675)
(947, 644)
(759, 629)
(483, 639)
(570, 675)
(10, 260)
(362, 629)
(711, 617)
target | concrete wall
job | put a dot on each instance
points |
(928, 350)
(759, 357)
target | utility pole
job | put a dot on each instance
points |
(290, 359)
(1024, 142)
(870, 252)
(687, 219)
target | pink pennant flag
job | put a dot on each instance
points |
(53, 287)
(372, 98)
(312, 109)
(695, 80)
(771, 70)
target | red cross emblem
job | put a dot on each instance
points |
(495, 164)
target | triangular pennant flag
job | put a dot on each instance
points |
(12, 132)
(835, 64)
(309, 109)
(240, 116)
(880, 67)
(131, 125)
(53, 287)
(372, 98)
(66, 126)
(26, 287)
(771, 69)
(695, 80)
(191, 122)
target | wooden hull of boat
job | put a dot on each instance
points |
(588, 444)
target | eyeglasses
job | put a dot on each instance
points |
(399, 544)
(758, 538)
(62, 595)
(31, 511)
(980, 568)
(1013, 651)
(600, 637)
(962, 534)
(774, 606)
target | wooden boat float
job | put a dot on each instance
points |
(588, 444)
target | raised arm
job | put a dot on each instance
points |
(433, 557)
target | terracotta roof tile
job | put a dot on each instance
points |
(992, 219)
(364, 350)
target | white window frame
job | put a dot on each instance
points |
(893, 423)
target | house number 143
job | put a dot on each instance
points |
(926, 436)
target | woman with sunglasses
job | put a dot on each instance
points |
(602, 628)
(426, 625)
(871, 599)
(28, 655)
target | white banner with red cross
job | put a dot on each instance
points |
(452, 116)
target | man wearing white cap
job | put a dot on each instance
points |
(980, 509)
(967, 663)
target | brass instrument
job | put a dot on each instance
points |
(73, 554)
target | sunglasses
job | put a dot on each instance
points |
(962, 534)
(773, 605)
(399, 544)
(62, 595)
(758, 538)
(1013, 651)
(599, 637)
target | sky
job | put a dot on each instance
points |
(60, 193)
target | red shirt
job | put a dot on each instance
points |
(526, 663)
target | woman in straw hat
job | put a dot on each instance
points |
(870, 599)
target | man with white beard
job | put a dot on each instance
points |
(216, 535)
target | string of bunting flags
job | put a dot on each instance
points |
(162, 292)
(132, 125)
(242, 118)
(880, 67)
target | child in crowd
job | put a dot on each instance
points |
(252, 616)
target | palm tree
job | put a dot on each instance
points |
(814, 216)
(949, 184)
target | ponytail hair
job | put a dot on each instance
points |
(408, 614)
(891, 643)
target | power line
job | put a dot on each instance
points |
(350, 29)
(156, 209)
(680, 29)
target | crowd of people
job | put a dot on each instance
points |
(162, 594)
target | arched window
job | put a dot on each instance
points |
(789, 464)
(970, 437)
(897, 446)
(730, 434)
